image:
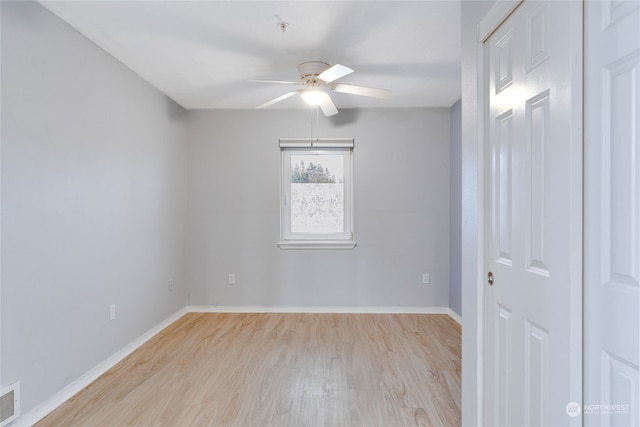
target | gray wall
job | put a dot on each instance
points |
(401, 182)
(455, 208)
(93, 180)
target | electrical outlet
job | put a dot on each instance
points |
(232, 279)
(112, 312)
(425, 278)
(172, 285)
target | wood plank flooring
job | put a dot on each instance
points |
(270, 369)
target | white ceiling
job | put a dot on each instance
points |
(201, 53)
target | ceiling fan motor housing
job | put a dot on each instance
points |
(309, 71)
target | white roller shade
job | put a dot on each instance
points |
(316, 142)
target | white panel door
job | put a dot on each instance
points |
(532, 190)
(612, 214)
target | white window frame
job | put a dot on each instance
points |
(320, 146)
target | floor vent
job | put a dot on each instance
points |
(10, 404)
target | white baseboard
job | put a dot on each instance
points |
(455, 316)
(317, 309)
(45, 408)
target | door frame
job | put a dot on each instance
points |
(498, 13)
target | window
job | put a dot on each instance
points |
(316, 196)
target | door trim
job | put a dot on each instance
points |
(495, 17)
(499, 12)
(577, 206)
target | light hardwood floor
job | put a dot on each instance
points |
(269, 369)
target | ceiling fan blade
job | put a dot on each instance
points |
(361, 90)
(334, 73)
(278, 99)
(274, 81)
(327, 106)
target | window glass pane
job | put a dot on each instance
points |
(317, 193)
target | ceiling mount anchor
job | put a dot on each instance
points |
(283, 26)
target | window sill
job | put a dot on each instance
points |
(317, 244)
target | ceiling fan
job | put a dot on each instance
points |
(316, 79)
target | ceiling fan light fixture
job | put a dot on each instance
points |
(314, 96)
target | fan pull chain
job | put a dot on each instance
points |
(317, 108)
(311, 116)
